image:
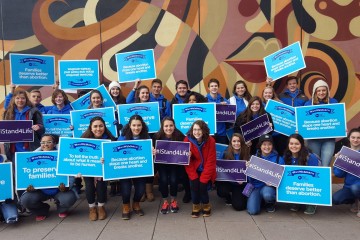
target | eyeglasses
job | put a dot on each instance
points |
(47, 142)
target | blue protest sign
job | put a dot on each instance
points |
(78, 74)
(6, 181)
(32, 70)
(225, 113)
(128, 159)
(16, 131)
(285, 61)
(349, 161)
(305, 185)
(37, 169)
(80, 155)
(84, 101)
(172, 152)
(220, 149)
(136, 64)
(57, 124)
(149, 111)
(283, 117)
(80, 119)
(321, 121)
(255, 128)
(265, 171)
(231, 170)
(186, 114)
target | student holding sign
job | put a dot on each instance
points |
(269, 93)
(215, 97)
(168, 173)
(350, 193)
(232, 191)
(202, 167)
(322, 147)
(262, 191)
(118, 98)
(61, 103)
(34, 200)
(96, 187)
(241, 96)
(254, 110)
(142, 96)
(297, 153)
(20, 108)
(136, 129)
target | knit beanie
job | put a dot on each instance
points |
(114, 84)
(319, 83)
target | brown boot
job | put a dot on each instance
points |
(93, 216)
(196, 209)
(206, 210)
(125, 211)
(149, 192)
(101, 213)
(137, 209)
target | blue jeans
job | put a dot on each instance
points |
(139, 185)
(266, 193)
(168, 174)
(347, 195)
(199, 192)
(34, 201)
(324, 148)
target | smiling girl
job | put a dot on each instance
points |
(324, 147)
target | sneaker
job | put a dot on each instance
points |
(165, 208)
(295, 207)
(270, 208)
(40, 218)
(174, 207)
(63, 215)
(310, 209)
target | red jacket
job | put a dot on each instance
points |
(209, 155)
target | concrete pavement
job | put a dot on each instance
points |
(335, 222)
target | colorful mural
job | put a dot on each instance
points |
(193, 40)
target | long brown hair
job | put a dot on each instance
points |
(56, 92)
(244, 149)
(247, 95)
(9, 113)
(89, 134)
(247, 114)
(203, 126)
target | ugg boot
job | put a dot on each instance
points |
(136, 208)
(101, 213)
(196, 209)
(125, 211)
(93, 216)
(149, 192)
(206, 210)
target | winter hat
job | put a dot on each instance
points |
(266, 137)
(114, 84)
(320, 83)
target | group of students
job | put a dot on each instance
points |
(199, 176)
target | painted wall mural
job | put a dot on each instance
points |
(194, 40)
